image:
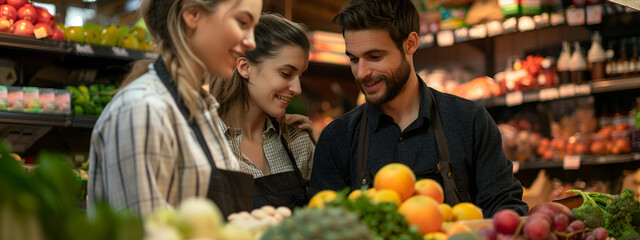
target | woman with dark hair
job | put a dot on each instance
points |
(252, 109)
(158, 143)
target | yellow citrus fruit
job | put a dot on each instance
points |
(370, 193)
(322, 197)
(355, 195)
(435, 236)
(423, 212)
(447, 214)
(397, 177)
(466, 211)
(386, 195)
(457, 228)
(430, 188)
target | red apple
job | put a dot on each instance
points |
(3, 1)
(28, 12)
(6, 25)
(17, 3)
(23, 27)
(57, 34)
(43, 16)
(8, 12)
(42, 30)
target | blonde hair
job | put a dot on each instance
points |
(164, 20)
(272, 32)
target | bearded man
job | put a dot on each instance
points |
(439, 136)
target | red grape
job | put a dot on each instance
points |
(560, 222)
(588, 236)
(555, 208)
(537, 228)
(576, 225)
(489, 233)
(506, 221)
(600, 233)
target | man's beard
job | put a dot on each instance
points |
(394, 84)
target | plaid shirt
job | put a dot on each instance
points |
(301, 147)
(144, 155)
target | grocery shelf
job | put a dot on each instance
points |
(586, 160)
(72, 48)
(564, 91)
(54, 120)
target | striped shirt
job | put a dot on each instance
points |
(301, 148)
(144, 155)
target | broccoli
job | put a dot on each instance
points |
(621, 215)
(590, 212)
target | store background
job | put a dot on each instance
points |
(506, 63)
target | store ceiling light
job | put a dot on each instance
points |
(89, 0)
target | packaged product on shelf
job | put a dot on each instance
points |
(596, 57)
(510, 8)
(63, 101)
(530, 7)
(564, 62)
(622, 65)
(610, 68)
(15, 99)
(47, 100)
(3, 98)
(578, 65)
(31, 99)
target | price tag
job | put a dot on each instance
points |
(526, 23)
(150, 55)
(427, 40)
(516, 167)
(571, 162)
(557, 18)
(510, 25)
(120, 52)
(84, 49)
(567, 90)
(514, 99)
(575, 16)
(583, 89)
(461, 34)
(494, 28)
(548, 94)
(541, 20)
(594, 14)
(445, 38)
(636, 156)
(478, 31)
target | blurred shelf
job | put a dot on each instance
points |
(586, 160)
(54, 120)
(564, 91)
(30, 43)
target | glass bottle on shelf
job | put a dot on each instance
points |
(610, 68)
(596, 57)
(633, 61)
(578, 65)
(564, 62)
(622, 65)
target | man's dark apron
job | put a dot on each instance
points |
(231, 191)
(282, 189)
(445, 176)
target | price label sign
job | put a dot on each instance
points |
(567, 90)
(583, 89)
(575, 16)
(516, 167)
(427, 40)
(84, 49)
(557, 18)
(548, 94)
(445, 38)
(150, 55)
(571, 162)
(594, 14)
(120, 52)
(514, 99)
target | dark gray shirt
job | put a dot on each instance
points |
(482, 172)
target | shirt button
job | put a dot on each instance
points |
(401, 138)
(364, 181)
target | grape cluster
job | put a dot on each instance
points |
(546, 221)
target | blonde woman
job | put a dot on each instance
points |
(252, 107)
(158, 142)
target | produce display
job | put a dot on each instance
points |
(90, 100)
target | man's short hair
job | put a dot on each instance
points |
(398, 17)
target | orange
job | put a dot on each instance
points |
(457, 228)
(435, 236)
(447, 214)
(397, 177)
(322, 197)
(466, 211)
(370, 193)
(386, 195)
(430, 188)
(423, 212)
(355, 195)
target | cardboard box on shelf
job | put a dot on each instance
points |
(539, 190)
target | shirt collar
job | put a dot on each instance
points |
(378, 119)
(233, 132)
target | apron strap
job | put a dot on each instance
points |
(451, 193)
(289, 153)
(363, 151)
